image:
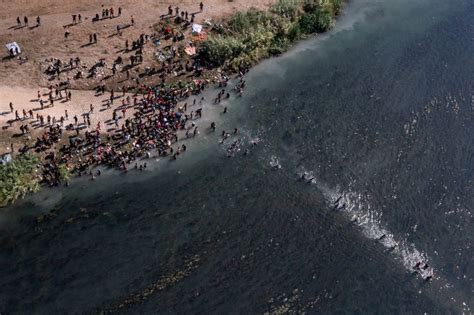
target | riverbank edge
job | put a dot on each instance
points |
(302, 18)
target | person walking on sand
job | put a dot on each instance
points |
(74, 21)
(18, 21)
(95, 37)
(201, 7)
(80, 18)
(25, 19)
(38, 21)
(132, 20)
(11, 107)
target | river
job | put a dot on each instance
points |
(359, 164)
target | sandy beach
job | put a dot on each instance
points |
(20, 81)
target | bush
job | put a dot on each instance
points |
(337, 6)
(243, 22)
(286, 8)
(17, 178)
(64, 173)
(311, 7)
(219, 49)
(294, 33)
(253, 35)
(319, 21)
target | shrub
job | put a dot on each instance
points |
(294, 33)
(286, 8)
(319, 21)
(17, 178)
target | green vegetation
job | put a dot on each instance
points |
(253, 35)
(64, 173)
(17, 178)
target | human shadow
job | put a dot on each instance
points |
(8, 58)
(87, 45)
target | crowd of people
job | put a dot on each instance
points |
(151, 126)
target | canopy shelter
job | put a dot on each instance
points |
(13, 48)
(197, 28)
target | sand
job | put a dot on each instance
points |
(19, 83)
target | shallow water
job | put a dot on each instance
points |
(377, 115)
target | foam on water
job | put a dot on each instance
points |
(356, 207)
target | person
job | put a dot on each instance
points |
(120, 11)
(80, 18)
(170, 10)
(11, 107)
(18, 21)
(25, 19)
(74, 19)
(66, 34)
(38, 21)
(201, 6)
(213, 126)
(90, 38)
(132, 20)
(95, 37)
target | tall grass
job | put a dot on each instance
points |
(17, 178)
(253, 35)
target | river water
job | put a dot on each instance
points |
(362, 166)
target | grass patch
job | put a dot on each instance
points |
(248, 37)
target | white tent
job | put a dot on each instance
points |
(15, 47)
(197, 28)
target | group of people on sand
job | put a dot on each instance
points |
(151, 127)
(25, 20)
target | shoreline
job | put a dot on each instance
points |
(154, 117)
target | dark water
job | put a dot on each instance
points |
(378, 116)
